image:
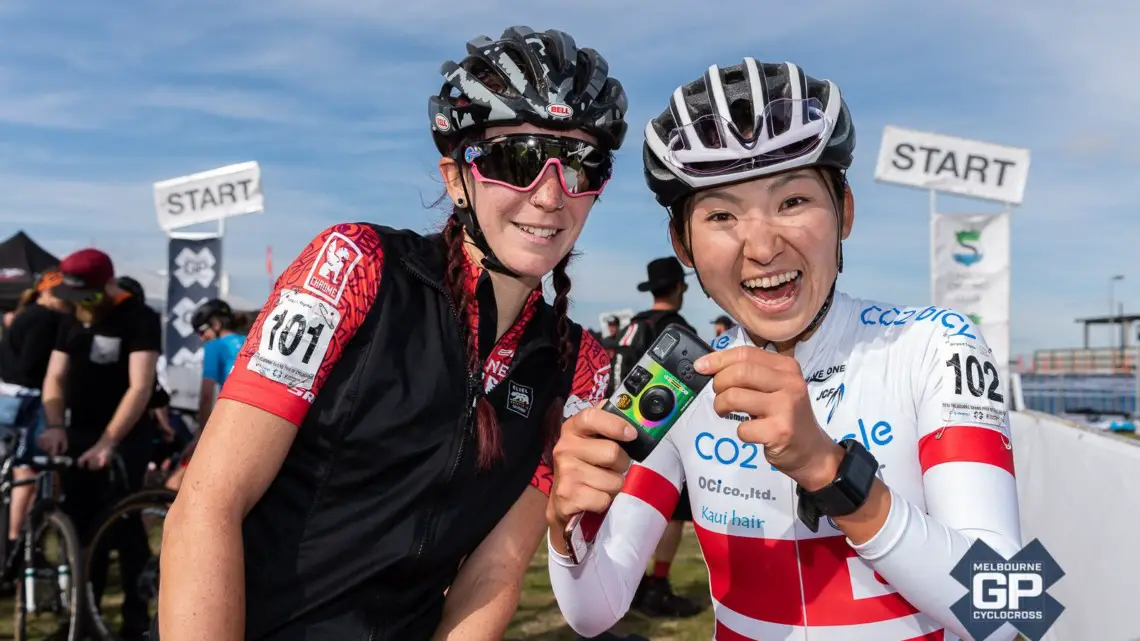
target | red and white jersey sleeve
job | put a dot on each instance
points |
(316, 307)
(968, 482)
(597, 593)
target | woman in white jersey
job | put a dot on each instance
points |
(847, 452)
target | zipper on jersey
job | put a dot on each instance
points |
(471, 396)
(468, 403)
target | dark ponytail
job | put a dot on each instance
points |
(488, 437)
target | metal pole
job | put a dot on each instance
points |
(1120, 318)
(933, 241)
(1112, 312)
(224, 277)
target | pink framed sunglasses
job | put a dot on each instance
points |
(518, 162)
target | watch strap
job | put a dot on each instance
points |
(846, 493)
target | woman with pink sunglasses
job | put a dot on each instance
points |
(383, 438)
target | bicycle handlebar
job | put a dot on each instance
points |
(49, 461)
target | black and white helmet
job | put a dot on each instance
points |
(742, 122)
(539, 78)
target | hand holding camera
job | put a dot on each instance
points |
(595, 446)
(589, 466)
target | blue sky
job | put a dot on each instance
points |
(100, 100)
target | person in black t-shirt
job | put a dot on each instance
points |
(24, 355)
(169, 439)
(28, 343)
(103, 371)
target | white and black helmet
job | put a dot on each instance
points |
(742, 122)
(539, 78)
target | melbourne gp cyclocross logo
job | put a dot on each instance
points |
(965, 237)
(1012, 591)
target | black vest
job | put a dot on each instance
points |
(379, 499)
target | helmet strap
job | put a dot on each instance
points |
(466, 213)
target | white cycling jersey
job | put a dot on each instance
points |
(919, 388)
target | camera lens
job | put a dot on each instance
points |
(656, 403)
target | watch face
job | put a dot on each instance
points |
(849, 491)
(859, 466)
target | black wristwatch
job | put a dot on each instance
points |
(846, 493)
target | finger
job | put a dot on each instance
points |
(598, 452)
(754, 375)
(585, 499)
(759, 431)
(744, 401)
(716, 361)
(596, 478)
(593, 423)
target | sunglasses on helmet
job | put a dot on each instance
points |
(518, 162)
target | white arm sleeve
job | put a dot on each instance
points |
(968, 482)
(597, 593)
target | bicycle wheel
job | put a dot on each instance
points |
(56, 579)
(119, 531)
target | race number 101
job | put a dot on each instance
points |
(287, 331)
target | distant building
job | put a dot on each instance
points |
(1119, 359)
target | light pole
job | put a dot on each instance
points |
(1112, 312)
(1112, 294)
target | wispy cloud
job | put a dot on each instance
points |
(98, 101)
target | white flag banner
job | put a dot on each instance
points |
(970, 274)
(233, 190)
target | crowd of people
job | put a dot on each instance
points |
(80, 376)
(403, 428)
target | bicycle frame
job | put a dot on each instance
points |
(44, 480)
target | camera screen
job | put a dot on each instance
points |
(664, 346)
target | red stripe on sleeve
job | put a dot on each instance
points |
(645, 484)
(963, 443)
(653, 488)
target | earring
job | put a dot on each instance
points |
(461, 202)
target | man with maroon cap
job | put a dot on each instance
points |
(103, 370)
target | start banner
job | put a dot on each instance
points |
(233, 190)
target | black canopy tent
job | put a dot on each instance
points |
(21, 261)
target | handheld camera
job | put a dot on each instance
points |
(659, 388)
